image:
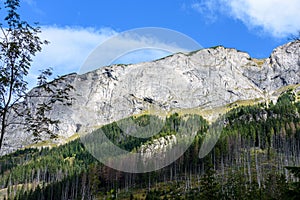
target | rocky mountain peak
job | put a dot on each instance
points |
(202, 80)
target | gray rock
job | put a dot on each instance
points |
(208, 78)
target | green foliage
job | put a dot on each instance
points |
(294, 170)
(244, 164)
(169, 126)
(19, 43)
(293, 191)
(209, 186)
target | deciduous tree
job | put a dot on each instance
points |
(19, 43)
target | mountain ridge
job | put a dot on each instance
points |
(207, 78)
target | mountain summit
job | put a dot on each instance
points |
(209, 81)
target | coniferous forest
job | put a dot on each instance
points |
(256, 157)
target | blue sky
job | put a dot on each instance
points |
(76, 27)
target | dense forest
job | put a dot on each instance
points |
(256, 157)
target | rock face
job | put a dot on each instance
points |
(157, 146)
(207, 78)
(280, 69)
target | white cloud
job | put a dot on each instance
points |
(67, 51)
(68, 48)
(277, 17)
(134, 45)
(84, 49)
(207, 8)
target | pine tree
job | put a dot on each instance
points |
(209, 187)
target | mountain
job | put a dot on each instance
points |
(256, 157)
(208, 82)
(256, 102)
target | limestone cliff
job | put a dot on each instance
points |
(205, 79)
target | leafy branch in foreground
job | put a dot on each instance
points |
(38, 120)
(19, 43)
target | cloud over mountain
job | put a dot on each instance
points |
(275, 17)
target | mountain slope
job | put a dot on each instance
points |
(248, 162)
(204, 80)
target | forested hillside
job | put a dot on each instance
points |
(249, 161)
